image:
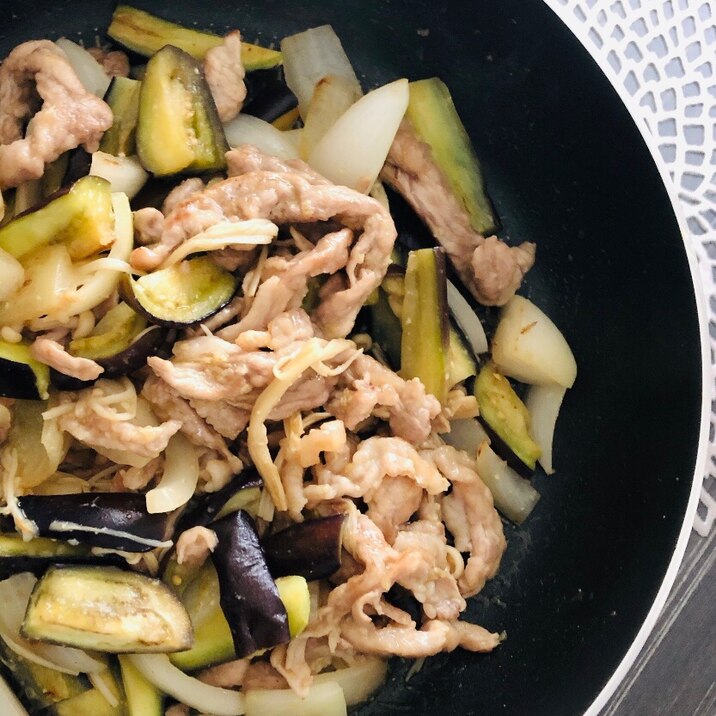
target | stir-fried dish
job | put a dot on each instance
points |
(254, 437)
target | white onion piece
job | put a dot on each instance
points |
(98, 681)
(353, 151)
(325, 699)
(359, 681)
(332, 96)
(158, 670)
(465, 435)
(543, 403)
(14, 596)
(87, 69)
(101, 285)
(181, 474)
(513, 495)
(310, 55)
(245, 129)
(13, 275)
(466, 319)
(527, 346)
(124, 174)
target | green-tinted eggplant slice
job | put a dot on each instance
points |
(145, 34)
(182, 294)
(21, 376)
(81, 217)
(178, 129)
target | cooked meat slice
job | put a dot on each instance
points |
(290, 198)
(226, 419)
(394, 501)
(367, 386)
(182, 191)
(470, 515)
(434, 637)
(148, 225)
(195, 545)
(115, 63)
(167, 404)
(376, 459)
(226, 675)
(53, 354)
(262, 675)
(433, 582)
(5, 417)
(287, 282)
(225, 73)
(100, 424)
(247, 158)
(69, 115)
(492, 273)
(499, 269)
(137, 478)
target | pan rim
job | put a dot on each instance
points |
(707, 389)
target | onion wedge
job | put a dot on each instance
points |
(543, 403)
(527, 346)
(246, 129)
(311, 55)
(353, 151)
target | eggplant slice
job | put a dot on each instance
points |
(111, 520)
(249, 596)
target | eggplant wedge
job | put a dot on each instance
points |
(36, 555)
(122, 341)
(178, 128)
(40, 686)
(80, 217)
(21, 376)
(506, 416)
(249, 596)
(106, 609)
(123, 99)
(199, 593)
(241, 493)
(182, 294)
(432, 114)
(310, 549)
(425, 340)
(145, 34)
(111, 520)
(293, 590)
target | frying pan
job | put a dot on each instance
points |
(566, 168)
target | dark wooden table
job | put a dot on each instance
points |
(675, 673)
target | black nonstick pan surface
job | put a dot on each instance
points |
(568, 169)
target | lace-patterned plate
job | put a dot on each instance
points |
(661, 56)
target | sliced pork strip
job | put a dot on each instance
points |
(69, 117)
(289, 284)
(247, 158)
(492, 274)
(469, 513)
(53, 354)
(224, 72)
(181, 192)
(148, 225)
(393, 502)
(289, 198)
(195, 545)
(115, 63)
(367, 385)
(99, 429)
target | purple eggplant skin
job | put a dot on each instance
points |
(111, 520)
(249, 597)
(203, 509)
(158, 341)
(78, 166)
(310, 549)
(268, 96)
